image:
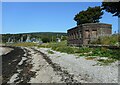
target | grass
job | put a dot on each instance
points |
(50, 52)
(88, 53)
(62, 47)
(25, 44)
(90, 58)
(58, 56)
(82, 51)
(106, 62)
(107, 40)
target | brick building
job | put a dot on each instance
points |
(85, 33)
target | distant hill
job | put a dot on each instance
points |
(49, 36)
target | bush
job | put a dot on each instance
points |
(46, 39)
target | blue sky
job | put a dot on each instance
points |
(20, 17)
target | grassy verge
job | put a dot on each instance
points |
(88, 53)
(24, 44)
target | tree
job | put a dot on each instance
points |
(46, 39)
(112, 7)
(91, 15)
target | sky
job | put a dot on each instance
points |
(24, 17)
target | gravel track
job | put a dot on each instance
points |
(33, 65)
(85, 71)
(28, 65)
(64, 74)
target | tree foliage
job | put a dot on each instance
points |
(91, 15)
(112, 7)
(46, 39)
(45, 36)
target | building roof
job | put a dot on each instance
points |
(90, 24)
(97, 23)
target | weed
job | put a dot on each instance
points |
(50, 52)
(82, 51)
(105, 62)
(58, 56)
(90, 58)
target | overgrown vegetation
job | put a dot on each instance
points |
(83, 51)
(107, 40)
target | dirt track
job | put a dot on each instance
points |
(36, 65)
(27, 65)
